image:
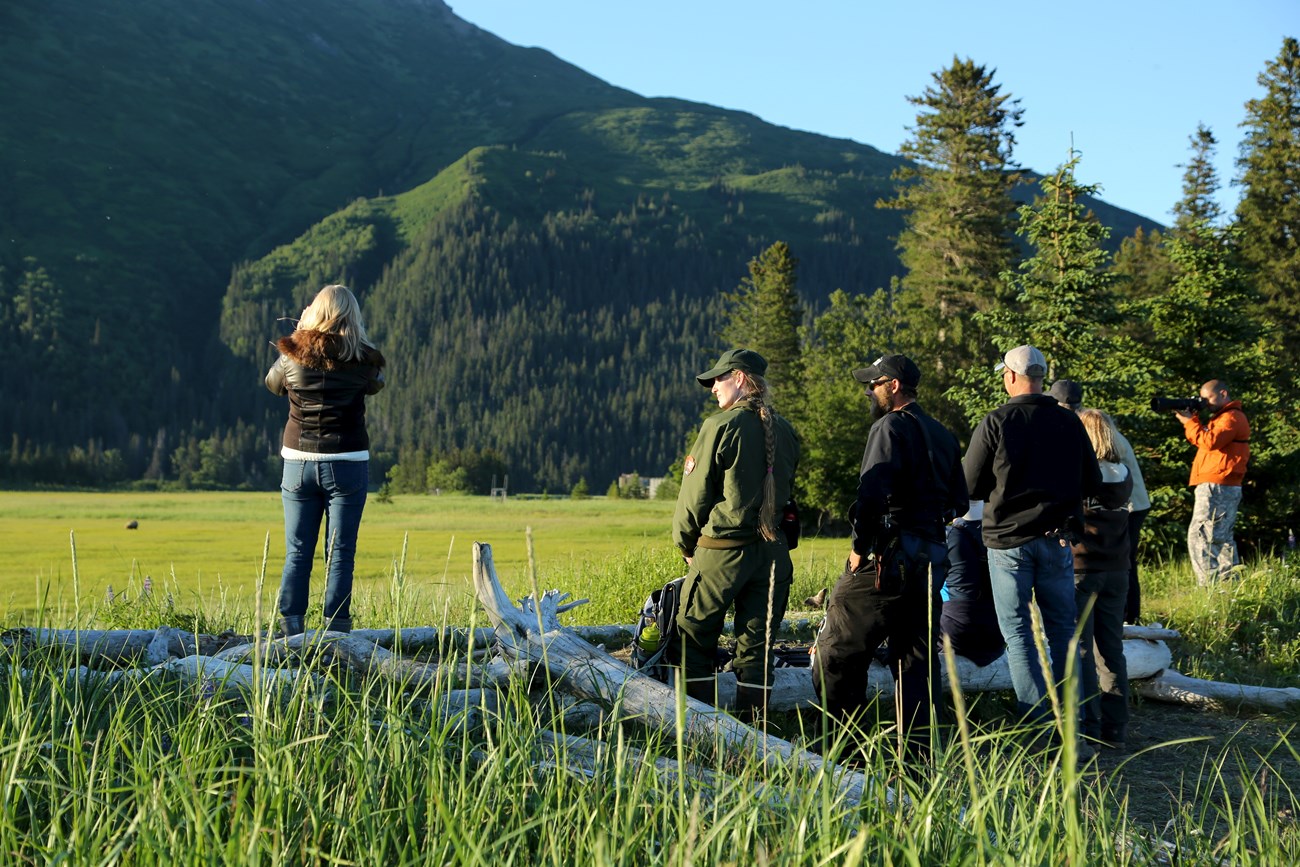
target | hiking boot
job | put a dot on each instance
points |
(338, 624)
(292, 624)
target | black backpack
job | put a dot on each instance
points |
(656, 631)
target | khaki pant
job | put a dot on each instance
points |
(1209, 537)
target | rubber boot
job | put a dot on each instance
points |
(338, 624)
(751, 706)
(292, 624)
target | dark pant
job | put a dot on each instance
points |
(859, 618)
(1133, 604)
(972, 627)
(755, 579)
(1104, 671)
(312, 490)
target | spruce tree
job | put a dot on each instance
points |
(851, 333)
(1142, 267)
(1269, 174)
(1200, 185)
(764, 314)
(958, 236)
(1062, 298)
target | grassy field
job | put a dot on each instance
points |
(345, 769)
(207, 548)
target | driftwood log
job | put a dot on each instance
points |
(382, 653)
(532, 633)
(1170, 686)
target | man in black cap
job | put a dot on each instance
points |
(911, 484)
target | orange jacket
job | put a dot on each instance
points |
(1222, 446)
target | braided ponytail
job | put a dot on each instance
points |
(757, 392)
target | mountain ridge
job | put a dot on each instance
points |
(154, 153)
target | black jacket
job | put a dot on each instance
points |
(1104, 546)
(898, 479)
(1031, 460)
(327, 408)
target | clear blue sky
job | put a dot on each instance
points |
(1128, 82)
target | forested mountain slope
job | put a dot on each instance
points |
(539, 253)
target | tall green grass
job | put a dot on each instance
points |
(353, 770)
(360, 771)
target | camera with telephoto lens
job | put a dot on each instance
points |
(1177, 404)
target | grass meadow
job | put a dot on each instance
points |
(343, 769)
(207, 549)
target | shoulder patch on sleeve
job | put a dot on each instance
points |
(689, 465)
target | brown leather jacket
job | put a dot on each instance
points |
(327, 409)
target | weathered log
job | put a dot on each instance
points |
(592, 757)
(231, 677)
(1171, 686)
(368, 658)
(1154, 632)
(119, 646)
(533, 633)
(792, 688)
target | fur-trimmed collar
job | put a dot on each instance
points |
(320, 351)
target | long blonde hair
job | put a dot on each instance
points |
(335, 311)
(759, 397)
(1101, 432)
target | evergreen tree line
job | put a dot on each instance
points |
(1213, 297)
(557, 351)
(559, 347)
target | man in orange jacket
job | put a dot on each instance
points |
(1222, 451)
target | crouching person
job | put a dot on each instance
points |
(739, 473)
(970, 621)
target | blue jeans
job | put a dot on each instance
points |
(312, 490)
(1044, 570)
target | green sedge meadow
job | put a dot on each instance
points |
(341, 768)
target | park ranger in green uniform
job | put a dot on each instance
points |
(739, 473)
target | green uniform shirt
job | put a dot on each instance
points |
(722, 482)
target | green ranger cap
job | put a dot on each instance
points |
(734, 359)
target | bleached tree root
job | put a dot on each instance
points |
(1171, 686)
(533, 633)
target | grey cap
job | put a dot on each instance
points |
(1025, 360)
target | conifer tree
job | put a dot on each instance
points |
(852, 332)
(1269, 174)
(1062, 297)
(1142, 267)
(764, 314)
(1200, 184)
(958, 236)
(1203, 328)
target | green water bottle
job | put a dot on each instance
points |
(650, 638)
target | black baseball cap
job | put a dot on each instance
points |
(898, 367)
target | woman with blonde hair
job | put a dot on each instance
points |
(739, 474)
(1101, 570)
(326, 367)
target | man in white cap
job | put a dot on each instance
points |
(1031, 461)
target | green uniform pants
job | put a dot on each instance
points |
(718, 579)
